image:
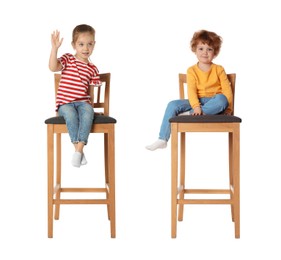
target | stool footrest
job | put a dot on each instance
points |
(207, 191)
(80, 201)
(205, 201)
(83, 190)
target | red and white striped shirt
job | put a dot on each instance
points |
(76, 77)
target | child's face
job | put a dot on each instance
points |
(84, 46)
(205, 53)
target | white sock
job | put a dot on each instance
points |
(83, 160)
(159, 144)
(186, 113)
(76, 159)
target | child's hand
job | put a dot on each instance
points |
(55, 39)
(197, 111)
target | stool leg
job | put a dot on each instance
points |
(58, 177)
(111, 180)
(50, 152)
(174, 180)
(230, 150)
(106, 169)
(182, 174)
(236, 179)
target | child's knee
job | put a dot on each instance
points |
(172, 105)
(222, 100)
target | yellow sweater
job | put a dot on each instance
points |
(207, 84)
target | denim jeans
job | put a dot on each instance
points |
(79, 119)
(210, 106)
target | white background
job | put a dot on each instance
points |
(144, 44)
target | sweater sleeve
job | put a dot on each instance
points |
(192, 88)
(226, 89)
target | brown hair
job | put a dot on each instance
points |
(82, 28)
(206, 37)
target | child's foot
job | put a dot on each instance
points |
(76, 159)
(83, 161)
(159, 144)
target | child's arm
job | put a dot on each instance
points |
(95, 82)
(192, 89)
(91, 92)
(54, 63)
(227, 91)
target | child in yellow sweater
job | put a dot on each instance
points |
(209, 91)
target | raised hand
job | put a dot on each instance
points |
(54, 63)
(55, 39)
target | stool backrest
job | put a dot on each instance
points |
(99, 95)
(183, 86)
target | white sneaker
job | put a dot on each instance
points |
(159, 144)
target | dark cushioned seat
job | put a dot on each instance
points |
(206, 119)
(98, 119)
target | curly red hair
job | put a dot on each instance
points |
(206, 37)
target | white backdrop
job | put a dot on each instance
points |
(144, 44)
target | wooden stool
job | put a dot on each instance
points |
(102, 123)
(204, 123)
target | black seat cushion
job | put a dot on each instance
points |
(98, 119)
(206, 119)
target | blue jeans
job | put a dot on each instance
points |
(79, 119)
(210, 106)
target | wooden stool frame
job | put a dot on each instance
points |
(54, 186)
(178, 191)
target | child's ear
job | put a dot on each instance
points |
(73, 46)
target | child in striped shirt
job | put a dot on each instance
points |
(72, 98)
